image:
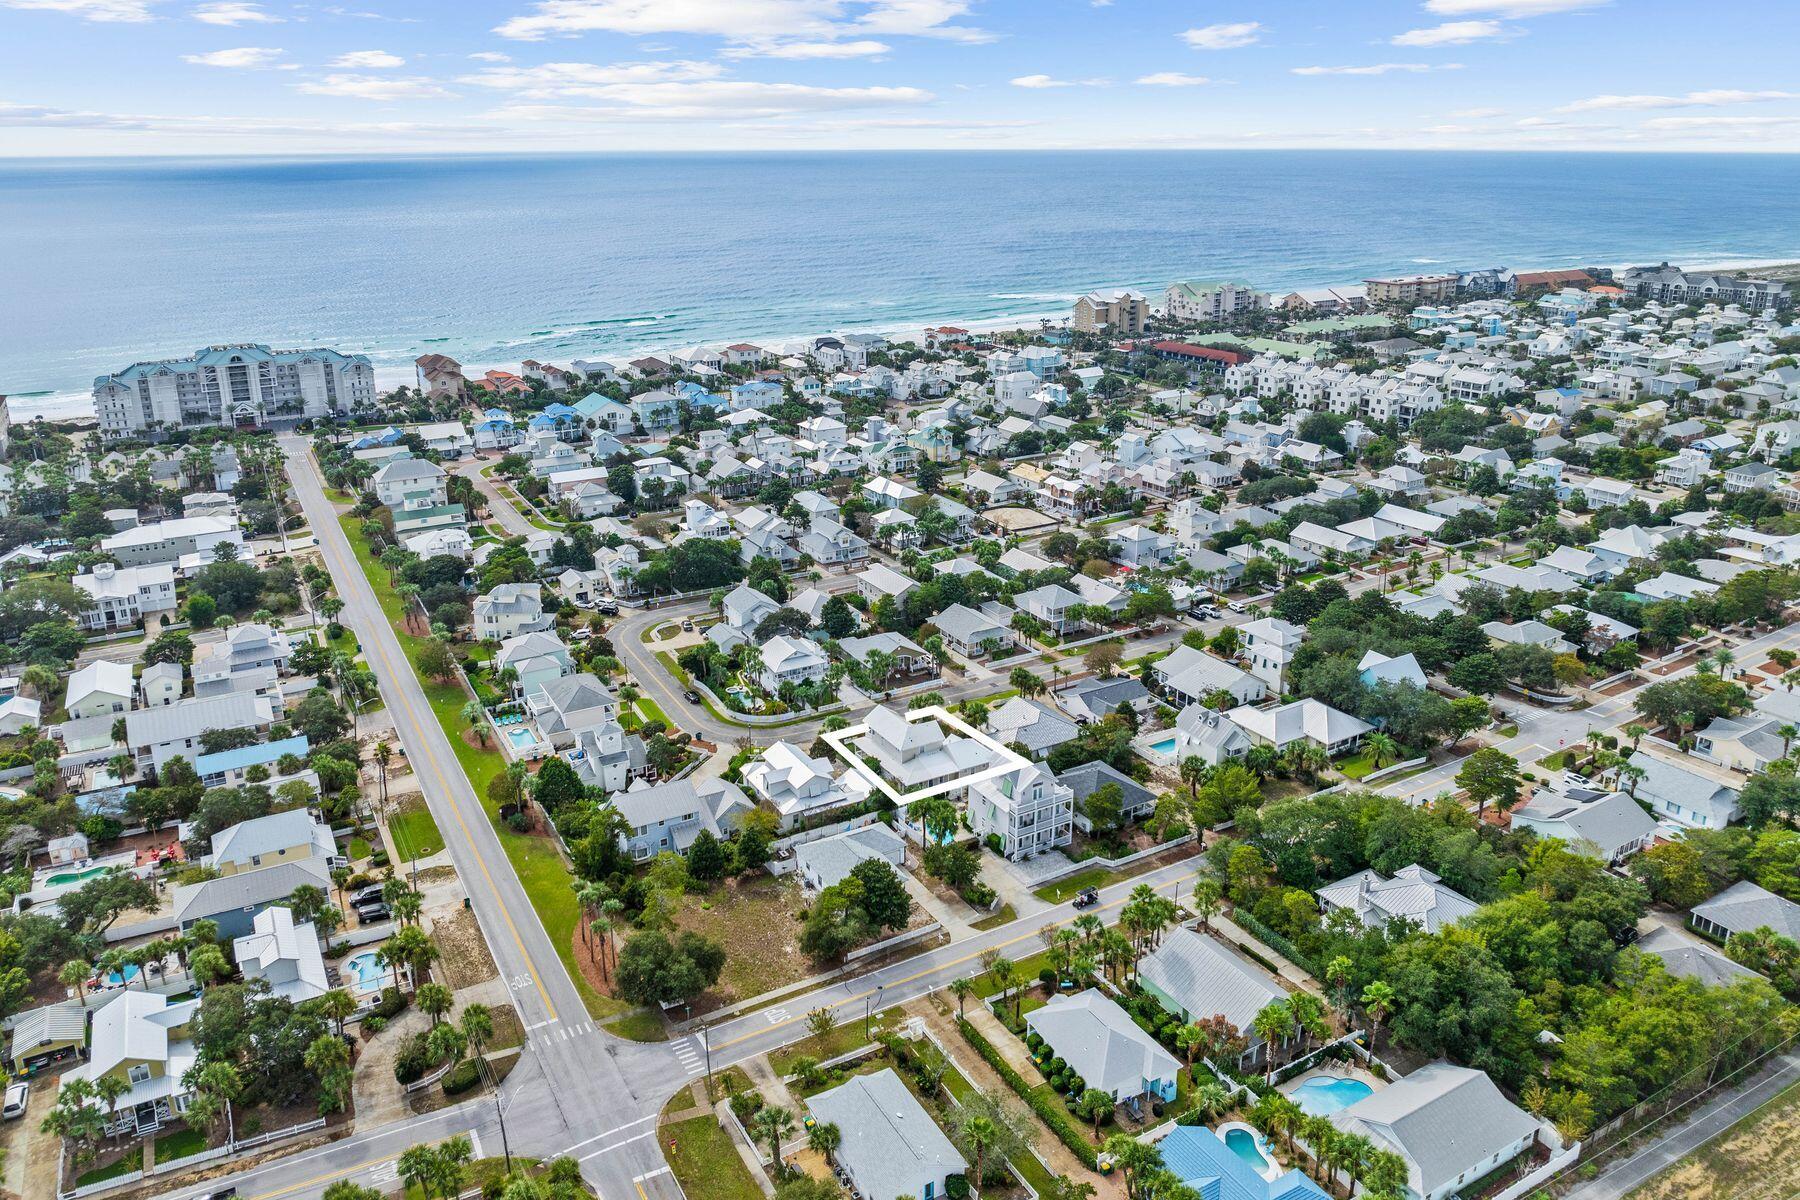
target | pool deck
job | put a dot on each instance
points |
(1335, 1070)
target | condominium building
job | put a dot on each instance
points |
(1211, 300)
(1126, 312)
(235, 385)
(1672, 285)
(1411, 289)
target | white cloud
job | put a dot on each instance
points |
(809, 50)
(377, 87)
(368, 60)
(1173, 79)
(748, 22)
(88, 10)
(572, 79)
(1378, 69)
(1046, 81)
(1453, 33)
(490, 56)
(234, 13)
(714, 100)
(1223, 37)
(1707, 99)
(242, 58)
(1508, 8)
(1734, 123)
(1477, 114)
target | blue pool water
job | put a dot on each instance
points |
(1164, 746)
(1242, 1143)
(370, 975)
(520, 738)
(1325, 1094)
(114, 979)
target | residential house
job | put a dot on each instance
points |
(1528, 633)
(232, 768)
(1687, 791)
(161, 684)
(535, 659)
(99, 689)
(117, 597)
(1025, 723)
(1611, 824)
(1051, 605)
(1376, 668)
(1689, 958)
(1449, 1124)
(172, 541)
(1204, 733)
(883, 582)
(1745, 907)
(1306, 720)
(1084, 779)
(1202, 1161)
(668, 816)
(1190, 676)
(155, 735)
(828, 543)
(282, 954)
(405, 479)
(145, 1039)
(1411, 894)
(1195, 977)
(1023, 813)
(972, 633)
(511, 609)
(1105, 1047)
(910, 661)
(562, 708)
(787, 659)
(889, 1144)
(1137, 546)
(830, 860)
(1267, 647)
(744, 608)
(232, 901)
(796, 785)
(1093, 698)
(918, 754)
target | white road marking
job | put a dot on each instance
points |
(776, 1015)
(617, 1145)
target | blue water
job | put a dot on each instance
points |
(496, 259)
(521, 738)
(369, 974)
(1242, 1143)
(1323, 1095)
(1165, 746)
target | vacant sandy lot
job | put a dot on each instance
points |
(1759, 1157)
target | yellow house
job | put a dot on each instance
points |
(142, 1038)
(283, 837)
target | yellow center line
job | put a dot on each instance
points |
(955, 962)
(456, 809)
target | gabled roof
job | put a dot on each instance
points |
(1205, 978)
(1102, 1044)
(1745, 906)
(1443, 1119)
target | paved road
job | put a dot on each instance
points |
(1709, 1122)
(575, 1084)
(499, 507)
(1544, 731)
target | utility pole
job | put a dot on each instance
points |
(499, 1110)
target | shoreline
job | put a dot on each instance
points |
(71, 406)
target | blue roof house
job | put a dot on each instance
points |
(757, 394)
(228, 767)
(1202, 1161)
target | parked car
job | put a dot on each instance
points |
(608, 608)
(372, 914)
(1239, 606)
(18, 1095)
(581, 635)
(691, 696)
(1087, 898)
(366, 895)
(687, 626)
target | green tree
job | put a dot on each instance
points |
(1490, 777)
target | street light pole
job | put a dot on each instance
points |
(868, 1001)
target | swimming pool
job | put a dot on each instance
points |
(1164, 746)
(370, 975)
(1248, 1145)
(62, 878)
(1323, 1095)
(521, 738)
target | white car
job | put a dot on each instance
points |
(18, 1095)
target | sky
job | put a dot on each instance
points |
(242, 77)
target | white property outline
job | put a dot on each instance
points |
(1008, 760)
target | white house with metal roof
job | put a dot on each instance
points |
(1411, 894)
(1449, 1124)
(1195, 977)
(1105, 1047)
(794, 783)
(1744, 907)
(890, 1145)
(282, 954)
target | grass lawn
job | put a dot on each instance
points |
(535, 860)
(841, 1040)
(1026, 1163)
(1067, 889)
(652, 711)
(1759, 1156)
(133, 1161)
(359, 849)
(1004, 915)
(1027, 970)
(756, 919)
(705, 1162)
(639, 1025)
(415, 834)
(180, 1144)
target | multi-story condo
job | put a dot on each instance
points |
(1211, 300)
(1027, 810)
(1672, 285)
(233, 385)
(1126, 312)
(1411, 289)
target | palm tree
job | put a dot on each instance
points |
(962, 989)
(771, 1124)
(824, 1139)
(110, 1088)
(1381, 748)
(75, 973)
(980, 1134)
(434, 1000)
(477, 1024)
(473, 716)
(1207, 899)
(1788, 734)
(1274, 1024)
(1378, 1001)
(337, 1006)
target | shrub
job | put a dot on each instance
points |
(746, 1105)
(980, 894)
(1047, 977)
(379, 858)
(374, 1024)
(413, 1060)
(956, 1187)
(461, 1078)
(1049, 1112)
(392, 1003)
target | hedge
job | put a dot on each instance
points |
(1051, 1114)
(1274, 941)
(461, 1078)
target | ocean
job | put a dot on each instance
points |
(497, 259)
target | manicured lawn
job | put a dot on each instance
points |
(841, 1040)
(1026, 970)
(652, 711)
(535, 860)
(180, 1144)
(706, 1162)
(359, 849)
(1357, 765)
(1003, 916)
(415, 834)
(133, 1161)
(639, 1025)
(1067, 889)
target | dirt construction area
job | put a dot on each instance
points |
(1759, 1157)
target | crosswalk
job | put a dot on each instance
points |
(689, 1053)
(559, 1031)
